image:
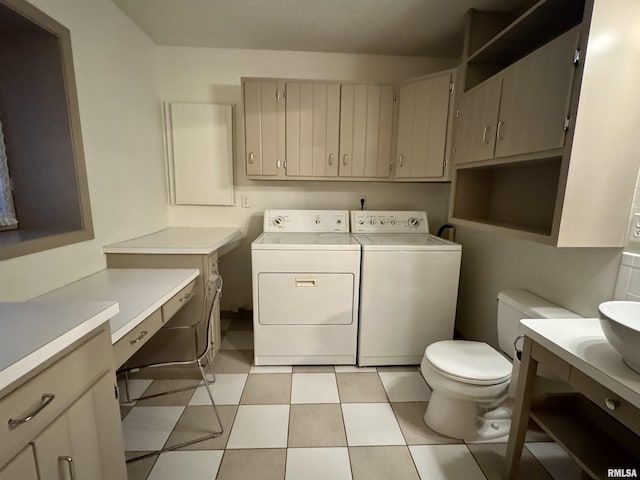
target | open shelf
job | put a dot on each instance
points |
(595, 440)
(517, 196)
(542, 22)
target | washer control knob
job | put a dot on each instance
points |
(361, 221)
(414, 222)
(392, 221)
(317, 220)
(372, 221)
(278, 221)
(382, 221)
(339, 221)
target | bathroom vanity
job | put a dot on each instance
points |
(599, 424)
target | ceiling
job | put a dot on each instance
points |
(389, 27)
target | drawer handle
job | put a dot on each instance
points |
(186, 295)
(485, 130)
(47, 398)
(143, 334)
(611, 403)
(70, 466)
(306, 282)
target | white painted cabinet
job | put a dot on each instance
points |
(312, 129)
(22, 467)
(366, 130)
(422, 127)
(264, 126)
(200, 153)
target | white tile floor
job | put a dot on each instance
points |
(270, 412)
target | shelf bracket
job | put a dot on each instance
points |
(567, 121)
(576, 57)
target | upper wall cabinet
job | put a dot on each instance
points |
(366, 129)
(200, 153)
(312, 129)
(545, 143)
(264, 127)
(422, 127)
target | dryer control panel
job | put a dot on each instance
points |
(365, 221)
(320, 221)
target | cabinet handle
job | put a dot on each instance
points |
(143, 334)
(500, 123)
(485, 130)
(278, 164)
(331, 157)
(251, 157)
(70, 466)
(611, 403)
(345, 157)
(401, 160)
(47, 398)
(186, 295)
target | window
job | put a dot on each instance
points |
(42, 138)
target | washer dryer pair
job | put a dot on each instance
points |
(323, 296)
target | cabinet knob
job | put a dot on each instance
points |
(611, 403)
(251, 157)
(500, 124)
(279, 164)
(331, 157)
(345, 157)
(485, 131)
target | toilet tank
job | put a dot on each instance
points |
(516, 304)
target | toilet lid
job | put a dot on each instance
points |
(469, 362)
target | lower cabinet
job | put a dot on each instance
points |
(22, 467)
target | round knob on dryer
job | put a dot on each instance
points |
(278, 221)
(414, 222)
(317, 220)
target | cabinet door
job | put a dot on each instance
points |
(201, 154)
(21, 467)
(264, 127)
(312, 124)
(366, 127)
(476, 124)
(535, 99)
(422, 129)
(86, 439)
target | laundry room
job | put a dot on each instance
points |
(246, 195)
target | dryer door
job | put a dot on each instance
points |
(305, 298)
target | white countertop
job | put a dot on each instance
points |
(580, 342)
(33, 332)
(179, 240)
(140, 292)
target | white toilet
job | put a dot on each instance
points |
(470, 380)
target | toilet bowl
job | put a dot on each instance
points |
(470, 381)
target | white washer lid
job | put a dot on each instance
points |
(469, 362)
(401, 241)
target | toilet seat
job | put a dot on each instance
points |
(472, 363)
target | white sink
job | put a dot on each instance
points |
(620, 322)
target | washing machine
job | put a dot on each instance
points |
(408, 286)
(306, 277)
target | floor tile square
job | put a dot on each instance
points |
(124, 410)
(266, 464)
(405, 386)
(399, 368)
(193, 465)
(260, 426)
(314, 388)
(227, 390)
(371, 424)
(199, 421)
(318, 464)
(360, 387)
(179, 399)
(410, 416)
(491, 458)
(137, 386)
(444, 462)
(271, 369)
(382, 463)
(268, 388)
(353, 369)
(241, 324)
(224, 324)
(237, 340)
(139, 470)
(147, 428)
(313, 369)
(233, 361)
(555, 460)
(316, 426)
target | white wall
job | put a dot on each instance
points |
(213, 75)
(119, 113)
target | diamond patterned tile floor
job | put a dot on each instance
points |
(316, 422)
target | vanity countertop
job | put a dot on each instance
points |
(31, 332)
(179, 240)
(580, 342)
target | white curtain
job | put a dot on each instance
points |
(8, 218)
